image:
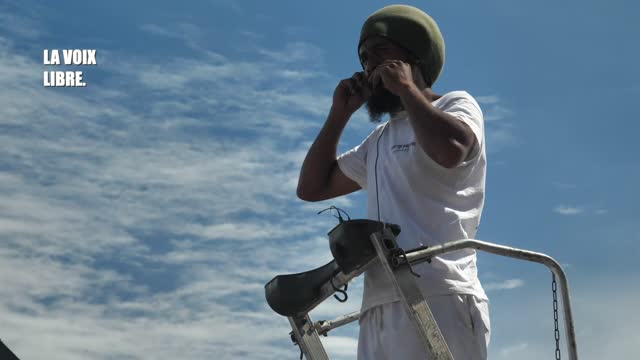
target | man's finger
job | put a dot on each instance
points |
(347, 83)
(364, 82)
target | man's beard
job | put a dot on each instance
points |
(382, 101)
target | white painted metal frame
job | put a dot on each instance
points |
(307, 333)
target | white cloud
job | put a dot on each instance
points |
(513, 351)
(188, 34)
(577, 210)
(19, 26)
(496, 112)
(488, 100)
(504, 285)
(295, 74)
(499, 132)
(135, 225)
(294, 52)
(492, 108)
(568, 210)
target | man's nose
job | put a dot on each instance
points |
(371, 64)
(369, 67)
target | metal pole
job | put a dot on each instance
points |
(418, 256)
(324, 326)
(415, 305)
(307, 338)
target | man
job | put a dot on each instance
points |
(423, 169)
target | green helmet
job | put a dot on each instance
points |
(412, 29)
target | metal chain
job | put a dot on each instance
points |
(554, 287)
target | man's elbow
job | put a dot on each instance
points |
(453, 155)
(301, 194)
(306, 195)
(456, 156)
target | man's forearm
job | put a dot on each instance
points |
(444, 138)
(318, 163)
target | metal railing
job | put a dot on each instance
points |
(421, 255)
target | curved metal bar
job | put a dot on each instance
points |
(324, 326)
(422, 255)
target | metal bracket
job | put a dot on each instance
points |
(415, 305)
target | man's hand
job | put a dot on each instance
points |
(350, 94)
(396, 76)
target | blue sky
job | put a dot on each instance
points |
(143, 214)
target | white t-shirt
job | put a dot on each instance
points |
(432, 204)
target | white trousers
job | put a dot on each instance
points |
(386, 332)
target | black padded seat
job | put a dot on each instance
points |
(350, 242)
(292, 294)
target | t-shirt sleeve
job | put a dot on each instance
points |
(353, 163)
(465, 108)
